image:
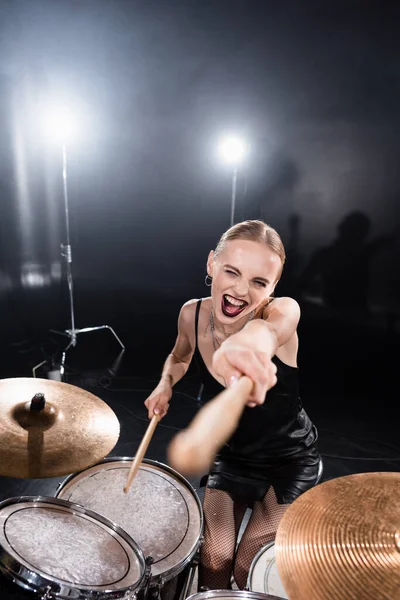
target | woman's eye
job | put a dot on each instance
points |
(261, 283)
(230, 272)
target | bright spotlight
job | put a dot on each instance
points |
(232, 150)
(60, 125)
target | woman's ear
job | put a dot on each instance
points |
(210, 263)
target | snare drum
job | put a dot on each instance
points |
(161, 512)
(263, 575)
(60, 550)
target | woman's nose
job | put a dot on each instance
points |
(241, 288)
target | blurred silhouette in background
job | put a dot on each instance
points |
(340, 272)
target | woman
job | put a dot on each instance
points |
(272, 457)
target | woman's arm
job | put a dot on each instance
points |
(177, 362)
(278, 325)
(250, 351)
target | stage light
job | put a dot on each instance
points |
(60, 124)
(232, 150)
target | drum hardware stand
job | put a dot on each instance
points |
(156, 594)
(66, 252)
(195, 563)
(147, 575)
(47, 594)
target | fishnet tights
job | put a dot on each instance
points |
(222, 519)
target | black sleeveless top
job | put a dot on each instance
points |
(276, 429)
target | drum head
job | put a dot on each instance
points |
(48, 542)
(160, 511)
(232, 595)
(263, 574)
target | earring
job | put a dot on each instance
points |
(208, 279)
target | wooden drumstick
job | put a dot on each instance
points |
(193, 450)
(141, 451)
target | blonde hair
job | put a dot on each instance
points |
(254, 231)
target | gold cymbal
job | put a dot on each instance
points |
(48, 428)
(341, 540)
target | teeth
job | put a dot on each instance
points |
(234, 301)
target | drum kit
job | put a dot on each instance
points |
(100, 538)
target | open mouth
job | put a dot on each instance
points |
(231, 306)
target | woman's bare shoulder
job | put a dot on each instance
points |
(187, 313)
(285, 305)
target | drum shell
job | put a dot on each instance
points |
(231, 595)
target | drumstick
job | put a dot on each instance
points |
(192, 451)
(141, 451)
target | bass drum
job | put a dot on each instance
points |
(263, 575)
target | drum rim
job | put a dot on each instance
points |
(174, 571)
(244, 594)
(31, 580)
(255, 560)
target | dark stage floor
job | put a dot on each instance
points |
(348, 387)
(358, 432)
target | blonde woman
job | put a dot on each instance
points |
(241, 329)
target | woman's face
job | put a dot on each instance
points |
(244, 274)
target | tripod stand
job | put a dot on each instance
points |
(66, 252)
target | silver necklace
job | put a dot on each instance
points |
(215, 339)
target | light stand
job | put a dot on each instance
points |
(233, 198)
(233, 151)
(66, 252)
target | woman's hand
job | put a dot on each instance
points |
(158, 401)
(248, 352)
